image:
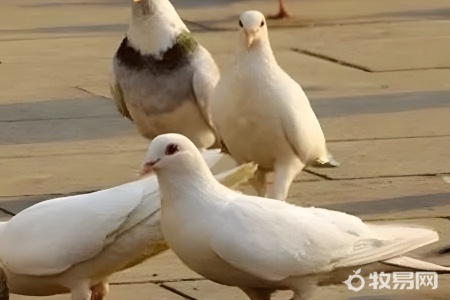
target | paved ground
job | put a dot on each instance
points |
(377, 73)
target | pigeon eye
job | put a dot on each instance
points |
(240, 23)
(262, 23)
(172, 149)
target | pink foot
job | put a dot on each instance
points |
(282, 14)
(99, 291)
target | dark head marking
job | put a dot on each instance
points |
(240, 23)
(173, 58)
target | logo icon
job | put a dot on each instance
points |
(351, 278)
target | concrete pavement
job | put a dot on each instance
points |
(377, 73)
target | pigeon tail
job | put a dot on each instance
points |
(445, 250)
(415, 264)
(329, 162)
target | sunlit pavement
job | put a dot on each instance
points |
(377, 74)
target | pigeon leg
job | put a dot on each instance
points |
(284, 175)
(100, 290)
(282, 13)
(258, 182)
(4, 289)
(303, 290)
(81, 292)
(258, 294)
(222, 146)
(301, 296)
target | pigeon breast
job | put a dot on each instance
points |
(163, 81)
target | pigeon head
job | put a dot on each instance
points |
(171, 151)
(252, 28)
(140, 8)
(154, 27)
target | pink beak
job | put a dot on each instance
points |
(148, 168)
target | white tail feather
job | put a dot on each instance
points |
(412, 263)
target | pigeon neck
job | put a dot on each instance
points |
(260, 50)
(186, 180)
(259, 57)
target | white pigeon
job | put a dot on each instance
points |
(263, 115)
(73, 244)
(162, 78)
(262, 245)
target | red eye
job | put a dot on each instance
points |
(172, 149)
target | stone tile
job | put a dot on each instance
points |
(75, 50)
(102, 16)
(377, 198)
(64, 130)
(146, 291)
(389, 158)
(141, 291)
(381, 103)
(48, 69)
(367, 126)
(163, 267)
(76, 145)
(318, 77)
(431, 211)
(61, 174)
(76, 170)
(84, 107)
(342, 192)
(63, 16)
(427, 206)
(222, 14)
(208, 290)
(321, 78)
(382, 46)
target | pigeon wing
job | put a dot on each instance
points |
(118, 97)
(50, 237)
(204, 80)
(276, 241)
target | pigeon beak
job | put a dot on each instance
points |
(148, 167)
(142, 7)
(251, 37)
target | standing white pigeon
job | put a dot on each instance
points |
(262, 245)
(162, 78)
(263, 115)
(74, 244)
